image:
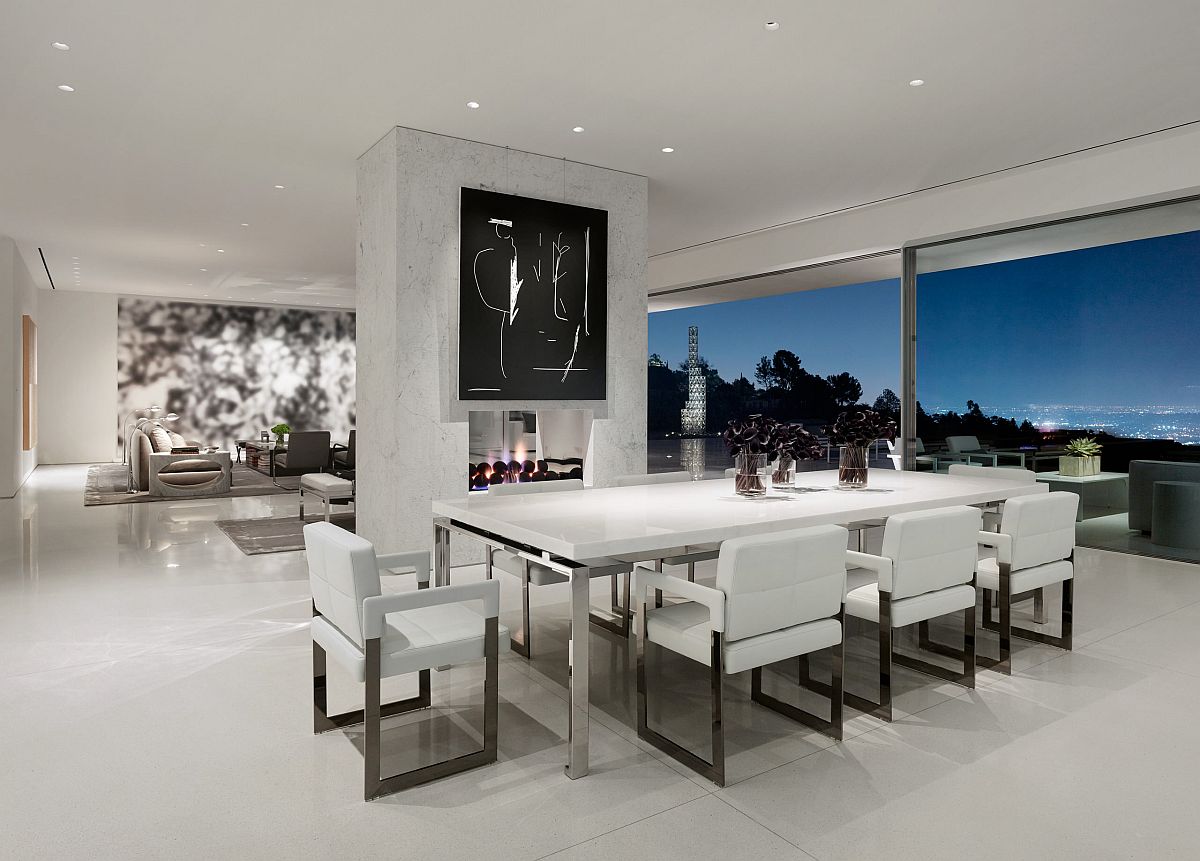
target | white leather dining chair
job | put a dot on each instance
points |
(926, 570)
(1035, 548)
(530, 572)
(376, 636)
(777, 597)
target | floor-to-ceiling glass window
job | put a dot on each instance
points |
(1031, 340)
(799, 357)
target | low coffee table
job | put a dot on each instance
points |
(260, 456)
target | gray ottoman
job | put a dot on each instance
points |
(328, 488)
(1176, 514)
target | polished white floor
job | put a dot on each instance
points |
(155, 703)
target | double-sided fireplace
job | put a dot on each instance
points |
(516, 446)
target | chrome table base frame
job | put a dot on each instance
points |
(619, 622)
(888, 655)
(578, 650)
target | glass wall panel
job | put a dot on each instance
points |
(1033, 339)
(800, 357)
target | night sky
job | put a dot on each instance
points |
(1117, 325)
(854, 328)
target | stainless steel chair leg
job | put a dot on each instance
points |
(376, 786)
(834, 691)
(714, 770)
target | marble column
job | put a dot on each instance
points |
(412, 427)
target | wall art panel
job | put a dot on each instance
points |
(230, 371)
(533, 299)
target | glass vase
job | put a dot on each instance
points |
(748, 479)
(784, 474)
(852, 467)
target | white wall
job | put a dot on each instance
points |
(412, 428)
(77, 343)
(1154, 165)
(18, 297)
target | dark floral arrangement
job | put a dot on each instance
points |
(755, 434)
(794, 442)
(861, 427)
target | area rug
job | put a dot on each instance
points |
(275, 534)
(105, 485)
(1113, 533)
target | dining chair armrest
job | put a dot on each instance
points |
(417, 559)
(714, 599)
(377, 607)
(880, 564)
(1001, 541)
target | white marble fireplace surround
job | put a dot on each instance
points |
(412, 427)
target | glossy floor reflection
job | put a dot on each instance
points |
(156, 703)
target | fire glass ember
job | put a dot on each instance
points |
(482, 475)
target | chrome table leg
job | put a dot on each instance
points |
(577, 669)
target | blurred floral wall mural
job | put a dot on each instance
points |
(231, 371)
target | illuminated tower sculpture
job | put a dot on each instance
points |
(693, 416)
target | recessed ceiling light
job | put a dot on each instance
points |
(668, 149)
(172, 564)
(245, 224)
(62, 46)
(578, 130)
(74, 258)
(281, 186)
(66, 88)
(220, 250)
(203, 270)
(203, 245)
(772, 25)
(916, 82)
(472, 105)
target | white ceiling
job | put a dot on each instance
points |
(185, 115)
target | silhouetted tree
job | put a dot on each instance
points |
(887, 403)
(845, 389)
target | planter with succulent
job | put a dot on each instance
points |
(750, 440)
(792, 443)
(1082, 458)
(281, 430)
(853, 433)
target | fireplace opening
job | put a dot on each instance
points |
(504, 446)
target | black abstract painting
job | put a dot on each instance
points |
(533, 299)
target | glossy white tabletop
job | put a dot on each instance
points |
(616, 521)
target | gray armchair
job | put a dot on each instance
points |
(1143, 474)
(307, 451)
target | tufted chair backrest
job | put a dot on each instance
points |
(930, 550)
(783, 579)
(1042, 527)
(342, 573)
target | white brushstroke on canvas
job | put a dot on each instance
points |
(574, 349)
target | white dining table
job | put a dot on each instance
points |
(598, 531)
